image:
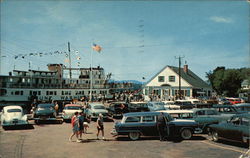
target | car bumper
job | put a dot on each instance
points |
(14, 123)
(198, 130)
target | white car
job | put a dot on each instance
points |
(13, 116)
(94, 109)
(69, 111)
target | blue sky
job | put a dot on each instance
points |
(138, 38)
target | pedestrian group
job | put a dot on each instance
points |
(79, 123)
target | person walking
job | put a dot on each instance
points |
(161, 125)
(57, 108)
(81, 120)
(100, 126)
(75, 127)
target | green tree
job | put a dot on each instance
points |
(227, 81)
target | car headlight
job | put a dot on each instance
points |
(24, 118)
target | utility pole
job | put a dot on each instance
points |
(70, 73)
(179, 75)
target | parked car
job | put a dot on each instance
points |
(204, 117)
(223, 101)
(170, 105)
(156, 106)
(194, 101)
(94, 109)
(236, 129)
(69, 110)
(44, 112)
(234, 100)
(117, 109)
(144, 124)
(184, 104)
(243, 107)
(13, 116)
(138, 107)
(226, 109)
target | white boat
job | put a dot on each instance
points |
(24, 86)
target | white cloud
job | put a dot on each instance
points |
(220, 19)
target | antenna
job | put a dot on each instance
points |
(179, 97)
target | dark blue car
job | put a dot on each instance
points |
(144, 124)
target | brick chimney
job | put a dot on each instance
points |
(185, 68)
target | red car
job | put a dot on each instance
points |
(234, 100)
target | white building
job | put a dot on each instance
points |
(165, 84)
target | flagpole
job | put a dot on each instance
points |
(91, 82)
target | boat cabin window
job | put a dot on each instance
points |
(3, 92)
(133, 119)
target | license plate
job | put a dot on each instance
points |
(43, 117)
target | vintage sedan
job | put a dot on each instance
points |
(13, 116)
(94, 109)
(243, 107)
(117, 109)
(236, 129)
(69, 110)
(156, 106)
(203, 116)
(44, 112)
(137, 124)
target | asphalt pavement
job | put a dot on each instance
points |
(51, 140)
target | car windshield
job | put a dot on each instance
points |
(99, 107)
(187, 103)
(159, 108)
(45, 106)
(14, 110)
(72, 108)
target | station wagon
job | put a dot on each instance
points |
(144, 124)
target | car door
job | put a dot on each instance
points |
(148, 125)
(232, 129)
(132, 124)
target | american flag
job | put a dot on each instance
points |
(97, 47)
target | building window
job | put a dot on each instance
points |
(171, 79)
(160, 78)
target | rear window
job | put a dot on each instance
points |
(148, 119)
(14, 110)
(133, 119)
(99, 107)
(46, 106)
(72, 108)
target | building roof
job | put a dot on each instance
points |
(189, 77)
(245, 82)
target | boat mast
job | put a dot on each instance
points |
(70, 73)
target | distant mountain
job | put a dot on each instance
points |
(124, 81)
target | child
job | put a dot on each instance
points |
(100, 126)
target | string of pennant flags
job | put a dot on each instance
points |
(40, 54)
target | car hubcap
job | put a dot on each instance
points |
(186, 134)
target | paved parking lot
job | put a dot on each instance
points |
(51, 140)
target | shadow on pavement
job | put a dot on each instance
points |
(237, 144)
(22, 127)
(44, 122)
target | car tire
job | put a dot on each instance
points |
(186, 134)
(134, 135)
(215, 136)
(37, 122)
